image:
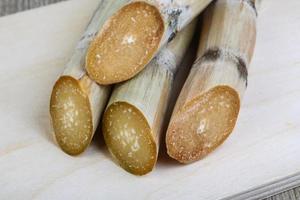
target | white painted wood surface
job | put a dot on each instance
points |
(35, 46)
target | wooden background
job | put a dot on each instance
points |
(13, 6)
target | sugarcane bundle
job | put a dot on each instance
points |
(133, 120)
(208, 105)
(77, 101)
(133, 36)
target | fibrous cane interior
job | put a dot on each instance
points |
(126, 43)
(71, 115)
(203, 124)
(129, 138)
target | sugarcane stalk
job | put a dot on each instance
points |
(77, 101)
(135, 34)
(208, 106)
(133, 119)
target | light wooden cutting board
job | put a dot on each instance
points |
(264, 148)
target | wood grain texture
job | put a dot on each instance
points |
(270, 189)
(13, 6)
(25, 146)
(293, 194)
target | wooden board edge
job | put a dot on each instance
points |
(269, 189)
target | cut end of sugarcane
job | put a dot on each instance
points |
(203, 124)
(71, 115)
(129, 138)
(126, 44)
